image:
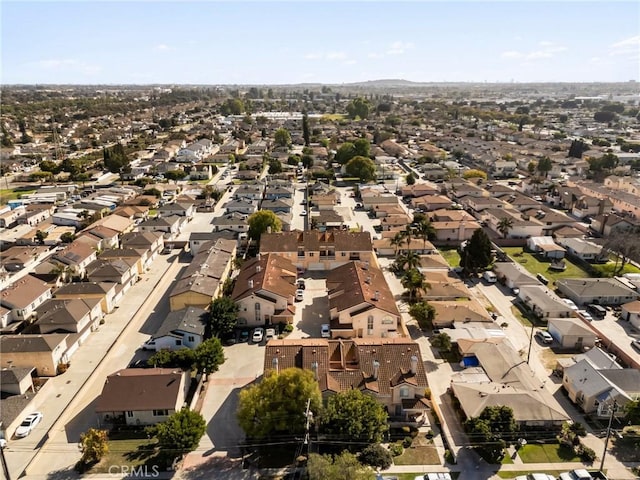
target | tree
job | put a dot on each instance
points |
(67, 237)
(345, 152)
(414, 282)
(632, 412)
(175, 175)
(624, 246)
(307, 161)
(181, 432)
(361, 167)
(41, 236)
(305, 129)
(232, 106)
(442, 341)
(209, 355)
(376, 456)
(476, 254)
(504, 226)
(354, 416)
(423, 313)
(396, 241)
(358, 108)
(260, 221)
(282, 138)
(362, 147)
(531, 167)
(94, 445)
(344, 466)
(115, 159)
(474, 173)
(41, 177)
(276, 405)
(275, 166)
(222, 316)
(487, 445)
(410, 179)
(49, 166)
(7, 138)
(424, 229)
(604, 117)
(184, 358)
(544, 166)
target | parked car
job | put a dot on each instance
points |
(300, 284)
(544, 337)
(149, 344)
(258, 335)
(28, 424)
(586, 315)
(299, 295)
(303, 213)
(244, 336)
(325, 331)
(570, 303)
(515, 291)
(636, 344)
(269, 334)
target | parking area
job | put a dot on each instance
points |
(617, 333)
(313, 310)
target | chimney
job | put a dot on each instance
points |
(368, 279)
(414, 364)
(314, 369)
(376, 368)
(250, 282)
(376, 295)
(258, 268)
(274, 364)
(605, 218)
(258, 255)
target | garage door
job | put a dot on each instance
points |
(316, 266)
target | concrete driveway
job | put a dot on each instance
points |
(313, 310)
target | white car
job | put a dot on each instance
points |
(325, 331)
(303, 213)
(586, 315)
(299, 295)
(258, 335)
(570, 303)
(28, 424)
(269, 334)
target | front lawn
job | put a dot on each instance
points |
(421, 452)
(547, 453)
(129, 450)
(531, 263)
(451, 255)
(518, 473)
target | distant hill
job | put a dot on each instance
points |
(386, 83)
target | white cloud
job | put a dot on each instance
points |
(545, 43)
(313, 56)
(539, 54)
(349, 62)
(626, 46)
(336, 56)
(375, 55)
(69, 64)
(398, 48)
(163, 47)
(511, 54)
(330, 56)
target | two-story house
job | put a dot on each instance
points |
(23, 296)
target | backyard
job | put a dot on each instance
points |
(13, 194)
(451, 255)
(531, 263)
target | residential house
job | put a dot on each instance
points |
(169, 226)
(609, 225)
(264, 291)
(419, 189)
(564, 197)
(395, 221)
(104, 292)
(594, 389)
(76, 256)
(204, 278)
(389, 369)
(444, 285)
(454, 231)
(115, 222)
(9, 219)
(42, 352)
(198, 239)
(244, 207)
(504, 168)
(572, 333)
(252, 192)
(631, 313)
(23, 296)
(182, 328)
(180, 209)
(512, 275)
(104, 237)
(588, 206)
(454, 312)
(17, 380)
(150, 244)
(506, 380)
(478, 204)
(17, 258)
(429, 203)
(545, 247)
(314, 250)
(583, 249)
(281, 205)
(35, 214)
(231, 222)
(361, 303)
(123, 271)
(328, 220)
(75, 316)
(276, 192)
(142, 396)
(602, 291)
(543, 302)
(520, 227)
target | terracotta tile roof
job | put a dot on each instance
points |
(356, 283)
(268, 272)
(347, 364)
(312, 240)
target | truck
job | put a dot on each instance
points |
(582, 474)
(490, 277)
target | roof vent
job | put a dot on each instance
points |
(376, 368)
(376, 295)
(365, 266)
(258, 268)
(250, 282)
(368, 279)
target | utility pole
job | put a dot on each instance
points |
(606, 442)
(530, 344)
(308, 415)
(5, 468)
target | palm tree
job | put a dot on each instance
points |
(414, 282)
(504, 226)
(396, 241)
(426, 231)
(407, 233)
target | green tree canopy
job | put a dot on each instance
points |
(222, 316)
(376, 456)
(423, 313)
(282, 137)
(474, 173)
(442, 341)
(94, 445)
(115, 159)
(410, 179)
(358, 108)
(181, 432)
(209, 355)
(361, 167)
(345, 152)
(232, 106)
(344, 466)
(275, 166)
(362, 147)
(354, 416)
(260, 221)
(491, 431)
(175, 175)
(277, 404)
(544, 166)
(476, 254)
(305, 129)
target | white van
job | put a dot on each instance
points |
(490, 277)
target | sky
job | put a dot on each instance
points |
(332, 42)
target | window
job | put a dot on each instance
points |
(191, 338)
(370, 325)
(161, 413)
(387, 320)
(404, 392)
(130, 414)
(178, 342)
(257, 309)
(344, 254)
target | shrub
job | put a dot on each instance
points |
(407, 441)
(288, 328)
(427, 393)
(376, 456)
(396, 449)
(586, 454)
(448, 457)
